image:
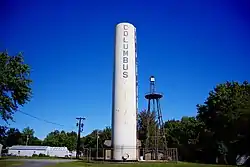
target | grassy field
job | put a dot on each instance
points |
(144, 164)
(4, 163)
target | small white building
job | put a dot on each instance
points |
(27, 150)
(31, 150)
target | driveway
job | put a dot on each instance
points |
(40, 162)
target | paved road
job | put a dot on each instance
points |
(39, 162)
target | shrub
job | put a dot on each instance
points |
(43, 155)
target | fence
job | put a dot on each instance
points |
(106, 154)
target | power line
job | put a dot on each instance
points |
(40, 119)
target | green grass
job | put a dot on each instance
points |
(144, 164)
(5, 163)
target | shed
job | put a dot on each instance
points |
(27, 150)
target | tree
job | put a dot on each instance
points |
(61, 139)
(146, 125)
(13, 137)
(173, 133)
(28, 131)
(184, 134)
(3, 131)
(71, 140)
(15, 83)
(28, 137)
(105, 134)
(226, 114)
(91, 139)
(34, 141)
(52, 139)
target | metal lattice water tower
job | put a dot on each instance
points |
(154, 107)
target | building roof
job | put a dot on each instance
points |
(28, 147)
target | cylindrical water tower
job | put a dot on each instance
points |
(124, 109)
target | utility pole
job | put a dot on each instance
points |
(97, 137)
(80, 129)
(27, 139)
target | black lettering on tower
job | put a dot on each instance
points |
(125, 57)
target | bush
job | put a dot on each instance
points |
(34, 155)
(43, 155)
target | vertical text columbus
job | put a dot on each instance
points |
(125, 52)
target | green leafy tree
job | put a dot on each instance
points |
(15, 83)
(34, 141)
(3, 131)
(13, 137)
(28, 131)
(173, 133)
(105, 134)
(226, 115)
(91, 139)
(71, 140)
(52, 139)
(61, 139)
(29, 138)
(146, 125)
(184, 134)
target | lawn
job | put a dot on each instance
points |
(144, 164)
(4, 163)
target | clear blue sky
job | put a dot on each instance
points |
(190, 46)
